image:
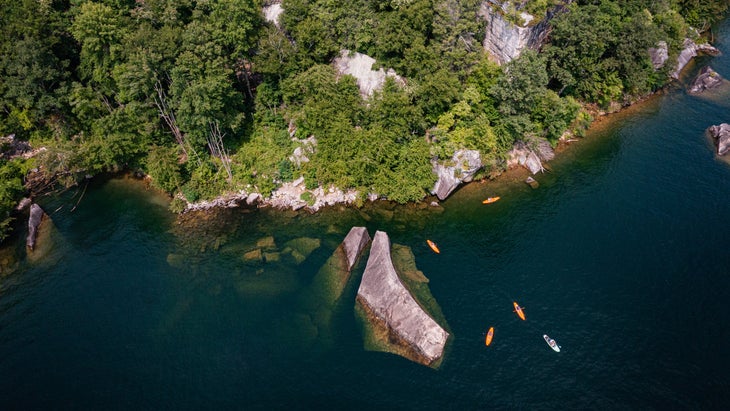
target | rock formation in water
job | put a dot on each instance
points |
(34, 221)
(323, 295)
(463, 165)
(705, 80)
(721, 135)
(331, 279)
(689, 51)
(390, 307)
(504, 40)
(353, 244)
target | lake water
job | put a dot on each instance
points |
(621, 255)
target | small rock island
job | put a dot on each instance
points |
(395, 316)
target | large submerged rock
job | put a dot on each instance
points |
(323, 295)
(721, 135)
(334, 275)
(461, 169)
(390, 307)
(705, 80)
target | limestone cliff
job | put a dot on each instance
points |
(505, 40)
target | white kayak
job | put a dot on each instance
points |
(551, 343)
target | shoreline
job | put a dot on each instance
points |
(288, 196)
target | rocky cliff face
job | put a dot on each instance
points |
(689, 51)
(464, 164)
(504, 41)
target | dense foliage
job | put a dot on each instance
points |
(203, 95)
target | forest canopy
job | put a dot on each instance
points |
(207, 96)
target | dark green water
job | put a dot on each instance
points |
(621, 255)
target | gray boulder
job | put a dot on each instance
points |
(34, 221)
(689, 51)
(721, 135)
(353, 244)
(705, 80)
(389, 305)
(465, 164)
(530, 154)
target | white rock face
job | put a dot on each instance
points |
(721, 135)
(387, 298)
(360, 66)
(272, 13)
(531, 159)
(465, 164)
(505, 41)
(353, 244)
(689, 51)
(302, 152)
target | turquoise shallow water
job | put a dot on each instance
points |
(620, 255)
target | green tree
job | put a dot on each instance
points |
(11, 188)
(99, 28)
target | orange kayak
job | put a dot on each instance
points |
(490, 200)
(490, 334)
(433, 246)
(518, 310)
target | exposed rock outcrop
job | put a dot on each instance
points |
(330, 281)
(463, 165)
(505, 41)
(360, 66)
(721, 135)
(705, 80)
(530, 155)
(389, 305)
(11, 147)
(37, 215)
(272, 11)
(353, 244)
(689, 51)
(659, 55)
